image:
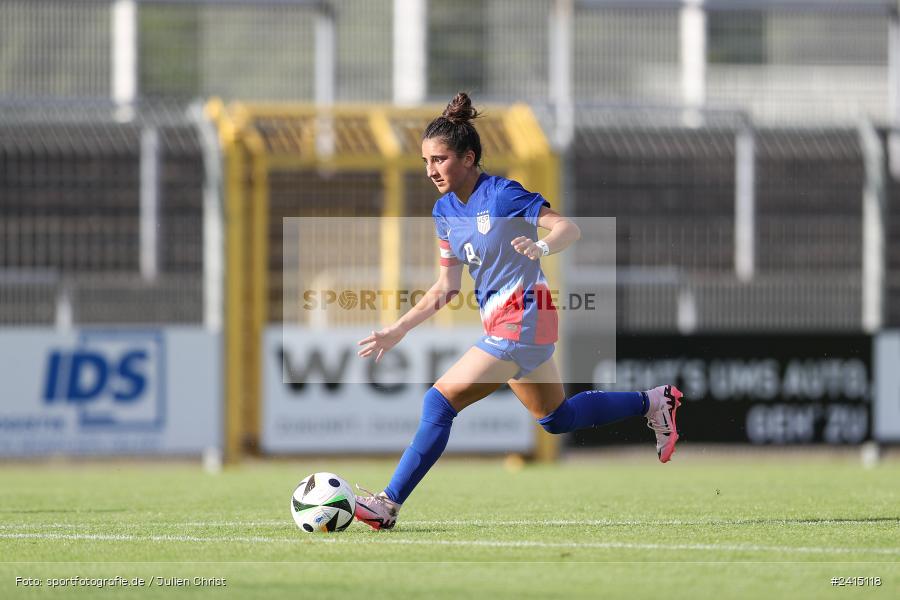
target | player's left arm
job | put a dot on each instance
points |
(563, 233)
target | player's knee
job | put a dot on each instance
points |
(437, 409)
(561, 420)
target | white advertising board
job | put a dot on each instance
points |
(887, 387)
(115, 391)
(330, 401)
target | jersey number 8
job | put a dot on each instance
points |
(471, 257)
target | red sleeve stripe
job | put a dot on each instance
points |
(449, 262)
(446, 252)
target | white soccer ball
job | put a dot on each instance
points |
(323, 502)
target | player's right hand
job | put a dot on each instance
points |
(380, 342)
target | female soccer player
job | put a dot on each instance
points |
(490, 224)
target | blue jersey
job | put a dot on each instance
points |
(512, 293)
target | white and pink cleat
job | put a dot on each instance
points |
(376, 511)
(664, 401)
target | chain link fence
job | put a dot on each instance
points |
(72, 247)
(787, 65)
(672, 188)
(799, 76)
(187, 49)
(782, 63)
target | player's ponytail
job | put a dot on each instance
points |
(460, 109)
(455, 129)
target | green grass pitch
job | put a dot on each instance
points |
(722, 525)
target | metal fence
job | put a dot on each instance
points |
(799, 61)
(55, 49)
(726, 137)
(727, 228)
(791, 65)
(101, 221)
(115, 222)
(187, 49)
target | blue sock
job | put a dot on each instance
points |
(593, 408)
(426, 447)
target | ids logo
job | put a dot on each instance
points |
(115, 380)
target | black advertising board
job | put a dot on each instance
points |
(759, 389)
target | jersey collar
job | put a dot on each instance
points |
(480, 179)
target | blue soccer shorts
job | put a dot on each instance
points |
(527, 356)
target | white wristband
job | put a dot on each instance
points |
(545, 249)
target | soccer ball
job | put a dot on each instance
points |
(323, 502)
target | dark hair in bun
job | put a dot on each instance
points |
(455, 129)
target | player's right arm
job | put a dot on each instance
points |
(438, 295)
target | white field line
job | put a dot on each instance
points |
(460, 543)
(639, 523)
(122, 537)
(287, 524)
